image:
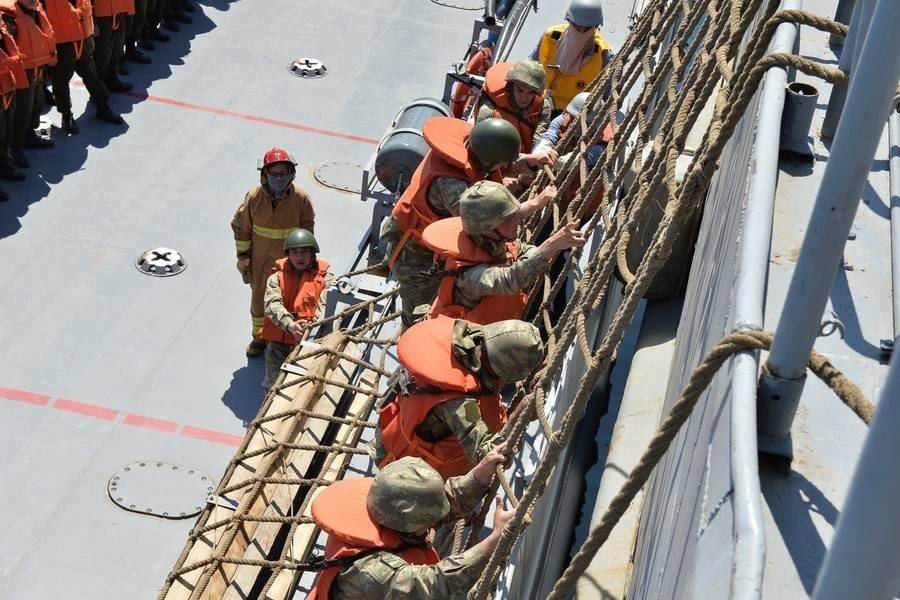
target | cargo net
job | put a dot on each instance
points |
(255, 537)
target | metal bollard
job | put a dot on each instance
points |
(799, 107)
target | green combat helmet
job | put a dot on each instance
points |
(495, 141)
(514, 349)
(484, 206)
(300, 238)
(585, 13)
(529, 73)
(408, 495)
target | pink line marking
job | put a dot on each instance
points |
(90, 410)
(222, 112)
(23, 396)
(212, 436)
(150, 423)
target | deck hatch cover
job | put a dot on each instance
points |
(338, 175)
(160, 489)
(308, 68)
(160, 262)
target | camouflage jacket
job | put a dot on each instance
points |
(274, 306)
(386, 576)
(476, 282)
(443, 197)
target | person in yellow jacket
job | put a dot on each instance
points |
(269, 213)
(573, 53)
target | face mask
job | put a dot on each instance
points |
(278, 184)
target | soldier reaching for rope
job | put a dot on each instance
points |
(486, 268)
(377, 545)
(293, 299)
(444, 405)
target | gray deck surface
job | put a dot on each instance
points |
(801, 510)
(80, 323)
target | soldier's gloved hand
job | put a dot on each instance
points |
(243, 267)
(487, 466)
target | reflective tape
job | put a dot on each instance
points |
(242, 245)
(272, 234)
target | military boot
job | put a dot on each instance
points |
(105, 113)
(255, 347)
(9, 172)
(135, 55)
(18, 158)
(159, 35)
(68, 123)
(116, 85)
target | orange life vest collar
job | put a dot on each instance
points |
(426, 351)
(498, 95)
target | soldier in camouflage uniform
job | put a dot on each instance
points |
(494, 354)
(402, 504)
(526, 81)
(490, 216)
(294, 299)
(490, 146)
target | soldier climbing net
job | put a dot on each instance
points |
(255, 535)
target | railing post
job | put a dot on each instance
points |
(859, 25)
(864, 558)
(868, 102)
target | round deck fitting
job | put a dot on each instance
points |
(343, 176)
(475, 5)
(160, 262)
(160, 489)
(308, 68)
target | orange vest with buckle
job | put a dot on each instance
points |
(35, 40)
(12, 69)
(448, 157)
(426, 351)
(68, 20)
(300, 295)
(340, 510)
(112, 8)
(450, 242)
(525, 121)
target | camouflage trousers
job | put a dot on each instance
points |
(276, 352)
(416, 289)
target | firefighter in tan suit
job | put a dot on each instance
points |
(263, 221)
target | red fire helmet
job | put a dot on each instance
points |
(277, 155)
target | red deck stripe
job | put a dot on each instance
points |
(212, 436)
(222, 112)
(150, 423)
(90, 410)
(23, 396)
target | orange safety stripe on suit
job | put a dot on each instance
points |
(35, 40)
(450, 242)
(426, 351)
(525, 121)
(67, 20)
(12, 69)
(300, 295)
(448, 157)
(340, 510)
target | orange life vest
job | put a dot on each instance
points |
(480, 62)
(12, 69)
(112, 8)
(35, 40)
(68, 20)
(450, 242)
(426, 351)
(447, 157)
(525, 121)
(300, 295)
(340, 510)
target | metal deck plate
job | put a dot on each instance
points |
(160, 489)
(160, 262)
(338, 175)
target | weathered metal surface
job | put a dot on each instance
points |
(160, 489)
